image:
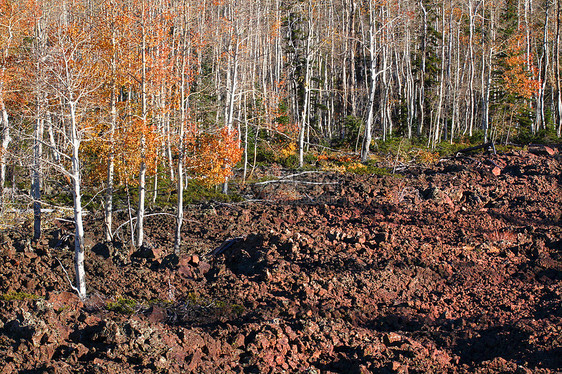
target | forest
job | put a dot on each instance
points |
(207, 164)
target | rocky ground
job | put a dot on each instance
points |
(452, 268)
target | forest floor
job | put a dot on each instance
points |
(450, 268)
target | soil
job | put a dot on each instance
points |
(450, 268)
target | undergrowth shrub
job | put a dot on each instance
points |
(11, 296)
(122, 306)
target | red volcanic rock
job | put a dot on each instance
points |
(445, 269)
(551, 151)
(441, 357)
(393, 338)
(203, 267)
(157, 314)
(64, 300)
(194, 260)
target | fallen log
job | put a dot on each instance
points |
(290, 179)
(543, 149)
(224, 246)
(477, 147)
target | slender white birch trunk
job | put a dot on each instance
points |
(471, 15)
(142, 169)
(181, 146)
(557, 71)
(6, 139)
(305, 112)
(37, 174)
(540, 119)
(111, 158)
(372, 87)
(437, 126)
(77, 197)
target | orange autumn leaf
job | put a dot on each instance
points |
(519, 77)
(210, 157)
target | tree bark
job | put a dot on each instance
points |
(543, 67)
(142, 169)
(436, 138)
(77, 196)
(423, 68)
(372, 86)
(37, 172)
(305, 112)
(181, 146)
(6, 139)
(486, 78)
(111, 156)
(472, 108)
(557, 71)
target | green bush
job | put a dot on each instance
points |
(264, 154)
(372, 170)
(11, 296)
(446, 148)
(196, 193)
(546, 136)
(122, 306)
(394, 146)
(543, 136)
(352, 126)
(310, 158)
(290, 162)
(524, 136)
(477, 137)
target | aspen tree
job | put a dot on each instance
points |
(144, 118)
(373, 49)
(543, 62)
(15, 18)
(558, 88)
(111, 21)
(184, 81)
(39, 125)
(72, 69)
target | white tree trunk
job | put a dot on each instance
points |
(305, 107)
(77, 197)
(6, 139)
(181, 149)
(557, 71)
(540, 119)
(141, 207)
(111, 158)
(232, 87)
(410, 85)
(36, 174)
(52, 142)
(109, 192)
(437, 126)
(471, 15)
(486, 80)
(179, 217)
(142, 169)
(372, 87)
(421, 114)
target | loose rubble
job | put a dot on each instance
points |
(453, 268)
